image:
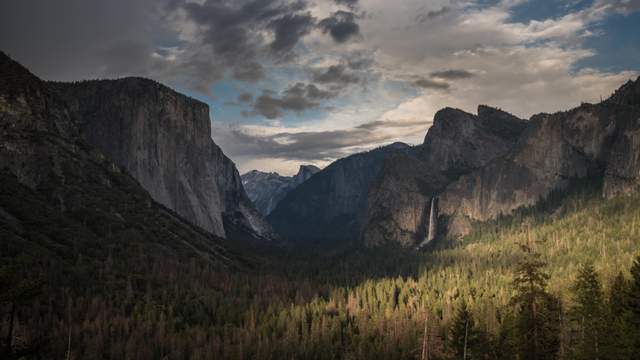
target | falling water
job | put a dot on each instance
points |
(433, 224)
(433, 220)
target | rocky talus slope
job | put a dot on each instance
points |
(163, 139)
(267, 189)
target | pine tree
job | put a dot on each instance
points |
(537, 312)
(587, 314)
(462, 334)
(16, 292)
(619, 344)
(633, 305)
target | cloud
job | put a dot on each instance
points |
(249, 71)
(431, 84)
(433, 14)
(289, 29)
(352, 4)
(297, 98)
(452, 74)
(336, 75)
(341, 25)
(245, 97)
(310, 146)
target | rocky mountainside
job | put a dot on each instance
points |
(62, 198)
(267, 189)
(331, 205)
(163, 139)
(555, 150)
(399, 201)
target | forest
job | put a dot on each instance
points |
(559, 281)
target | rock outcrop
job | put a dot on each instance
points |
(556, 149)
(456, 144)
(69, 193)
(331, 205)
(163, 139)
(267, 189)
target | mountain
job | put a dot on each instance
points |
(267, 189)
(330, 206)
(555, 151)
(469, 168)
(163, 139)
(399, 201)
(62, 200)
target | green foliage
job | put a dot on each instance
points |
(537, 312)
(463, 335)
(588, 315)
(125, 291)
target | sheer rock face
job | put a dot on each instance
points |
(330, 206)
(456, 144)
(163, 139)
(267, 189)
(591, 140)
(622, 175)
(42, 150)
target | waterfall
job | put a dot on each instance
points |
(432, 231)
(433, 220)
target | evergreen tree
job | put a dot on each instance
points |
(538, 312)
(16, 292)
(587, 314)
(619, 344)
(633, 305)
(463, 336)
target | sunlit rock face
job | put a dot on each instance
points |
(163, 139)
(588, 141)
(267, 189)
(456, 144)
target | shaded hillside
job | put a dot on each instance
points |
(330, 205)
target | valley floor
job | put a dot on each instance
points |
(470, 297)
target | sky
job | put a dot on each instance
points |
(293, 82)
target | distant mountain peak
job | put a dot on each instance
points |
(266, 189)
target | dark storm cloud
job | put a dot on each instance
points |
(341, 25)
(297, 98)
(289, 29)
(95, 39)
(336, 75)
(452, 74)
(234, 31)
(431, 84)
(249, 71)
(80, 39)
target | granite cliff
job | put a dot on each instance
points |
(554, 151)
(399, 201)
(267, 189)
(163, 139)
(62, 197)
